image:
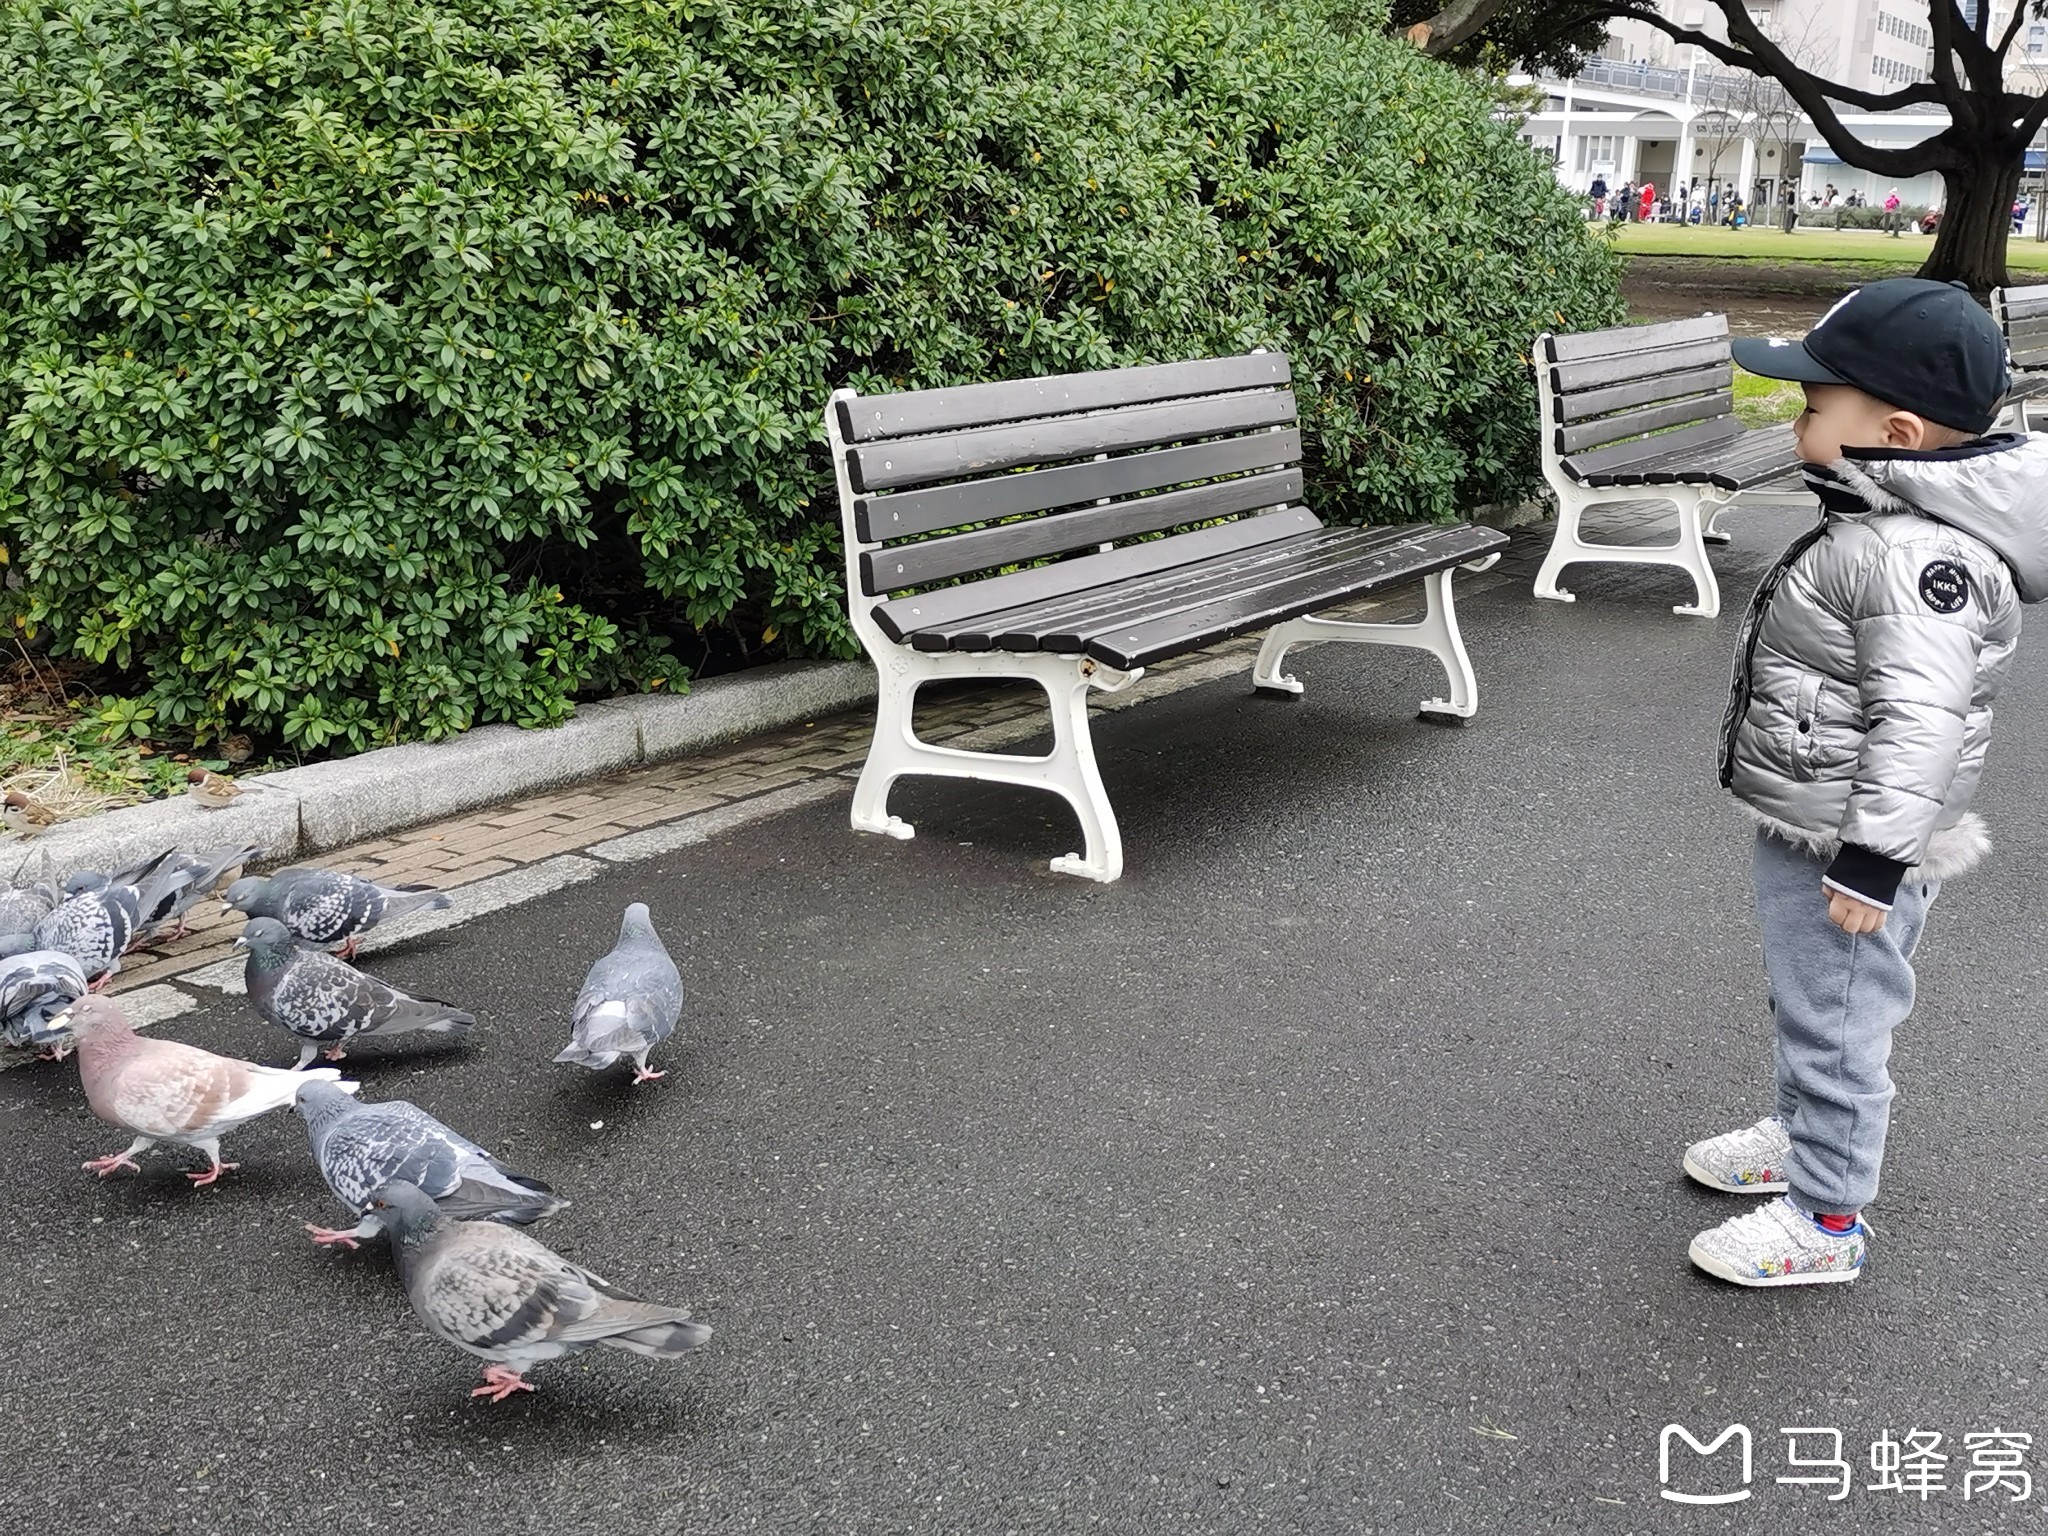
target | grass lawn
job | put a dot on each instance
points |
(1761, 402)
(2023, 254)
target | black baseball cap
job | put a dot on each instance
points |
(1925, 347)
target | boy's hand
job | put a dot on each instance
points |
(1851, 915)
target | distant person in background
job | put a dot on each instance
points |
(1599, 191)
(1891, 212)
(1713, 204)
(1646, 201)
(1624, 203)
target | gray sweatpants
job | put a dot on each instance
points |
(1836, 999)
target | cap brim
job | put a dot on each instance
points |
(1782, 358)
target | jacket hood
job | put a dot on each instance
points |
(1994, 489)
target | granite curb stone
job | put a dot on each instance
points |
(303, 811)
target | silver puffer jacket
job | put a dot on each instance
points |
(1866, 670)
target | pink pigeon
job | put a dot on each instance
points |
(164, 1090)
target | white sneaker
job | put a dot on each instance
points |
(1750, 1161)
(1780, 1244)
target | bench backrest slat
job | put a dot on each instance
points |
(2027, 303)
(1635, 393)
(1567, 379)
(951, 605)
(1646, 450)
(2027, 340)
(988, 476)
(866, 418)
(927, 560)
(1655, 418)
(909, 461)
(1617, 340)
(905, 514)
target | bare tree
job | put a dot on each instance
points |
(1978, 156)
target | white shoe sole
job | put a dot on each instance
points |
(1725, 1271)
(1701, 1176)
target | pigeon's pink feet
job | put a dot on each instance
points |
(211, 1174)
(326, 1236)
(348, 950)
(334, 1053)
(54, 1053)
(500, 1382)
(106, 1165)
(99, 982)
(646, 1075)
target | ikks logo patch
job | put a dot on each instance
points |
(1944, 587)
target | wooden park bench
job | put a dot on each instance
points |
(1642, 415)
(1073, 530)
(2022, 313)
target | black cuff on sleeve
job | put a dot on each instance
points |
(1871, 876)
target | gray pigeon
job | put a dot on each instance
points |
(630, 1000)
(508, 1299)
(23, 906)
(325, 907)
(182, 879)
(97, 924)
(362, 1147)
(165, 1090)
(320, 998)
(34, 989)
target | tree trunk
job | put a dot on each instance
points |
(1976, 221)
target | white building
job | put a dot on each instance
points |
(1656, 109)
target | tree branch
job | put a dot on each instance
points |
(1813, 93)
(1453, 26)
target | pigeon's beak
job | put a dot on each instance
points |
(241, 940)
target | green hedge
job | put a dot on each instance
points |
(368, 366)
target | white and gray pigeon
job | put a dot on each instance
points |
(325, 1000)
(630, 1000)
(97, 924)
(165, 1090)
(34, 989)
(362, 1147)
(325, 907)
(510, 1300)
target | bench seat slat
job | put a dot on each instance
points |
(902, 616)
(2027, 335)
(2028, 386)
(1627, 424)
(1143, 645)
(985, 450)
(867, 418)
(915, 565)
(1598, 372)
(1618, 340)
(1669, 386)
(1038, 626)
(880, 518)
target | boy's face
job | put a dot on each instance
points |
(1838, 416)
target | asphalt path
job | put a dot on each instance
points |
(1322, 1175)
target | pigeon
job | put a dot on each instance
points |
(321, 998)
(164, 1090)
(35, 988)
(215, 791)
(103, 917)
(25, 815)
(512, 1301)
(362, 1147)
(181, 880)
(629, 1003)
(23, 906)
(324, 907)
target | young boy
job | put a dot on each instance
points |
(1856, 735)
